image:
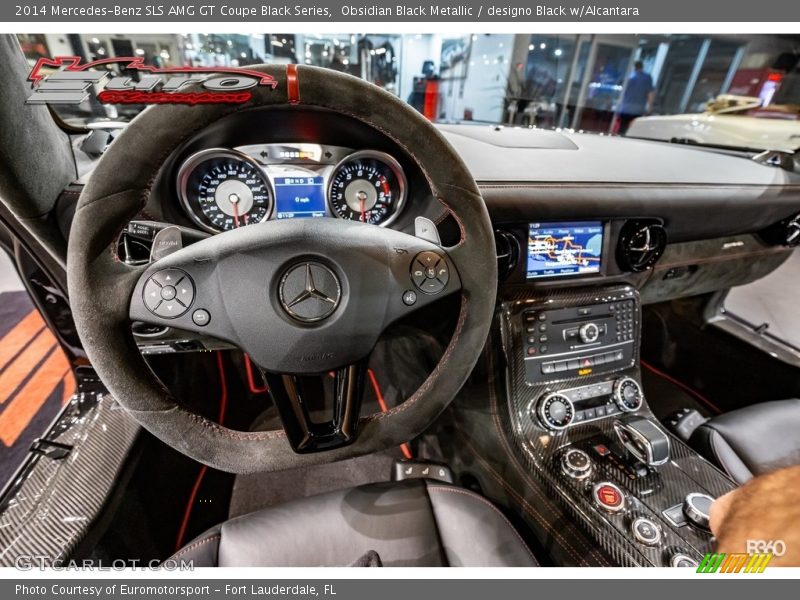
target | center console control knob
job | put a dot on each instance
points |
(697, 508)
(555, 411)
(608, 496)
(628, 394)
(683, 560)
(576, 463)
(646, 531)
(589, 333)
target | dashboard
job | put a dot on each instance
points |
(569, 210)
(224, 188)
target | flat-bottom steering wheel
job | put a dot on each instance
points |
(319, 292)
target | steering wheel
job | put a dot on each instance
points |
(303, 296)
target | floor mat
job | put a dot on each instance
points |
(35, 379)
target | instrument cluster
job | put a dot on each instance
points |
(225, 188)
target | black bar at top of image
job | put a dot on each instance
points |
(478, 11)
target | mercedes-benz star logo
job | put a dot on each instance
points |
(309, 292)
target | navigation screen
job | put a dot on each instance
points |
(559, 249)
(299, 197)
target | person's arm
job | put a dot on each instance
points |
(651, 96)
(765, 509)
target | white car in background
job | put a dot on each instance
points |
(737, 121)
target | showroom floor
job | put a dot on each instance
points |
(772, 300)
(35, 379)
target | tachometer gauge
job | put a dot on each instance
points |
(367, 186)
(223, 190)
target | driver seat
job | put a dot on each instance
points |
(413, 523)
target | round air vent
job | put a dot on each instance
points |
(507, 247)
(641, 244)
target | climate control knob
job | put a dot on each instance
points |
(628, 394)
(589, 333)
(555, 411)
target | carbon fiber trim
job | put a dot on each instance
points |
(541, 449)
(52, 504)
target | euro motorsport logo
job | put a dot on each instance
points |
(735, 563)
(64, 80)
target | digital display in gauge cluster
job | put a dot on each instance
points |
(299, 197)
(222, 189)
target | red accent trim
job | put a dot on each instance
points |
(223, 405)
(72, 63)
(683, 386)
(251, 380)
(292, 84)
(404, 447)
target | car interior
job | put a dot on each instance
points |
(316, 329)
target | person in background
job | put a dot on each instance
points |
(765, 509)
(637, 99)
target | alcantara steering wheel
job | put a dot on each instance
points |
(319, 291)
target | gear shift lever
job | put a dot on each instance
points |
(643, 439)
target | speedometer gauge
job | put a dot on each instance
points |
(367, 186)
(222, 190)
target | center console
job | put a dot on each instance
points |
(581, 423)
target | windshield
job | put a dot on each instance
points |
(663, 87)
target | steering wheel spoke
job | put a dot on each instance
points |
(303, 432)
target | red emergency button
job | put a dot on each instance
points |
(608, 496)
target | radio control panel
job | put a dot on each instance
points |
(561, 343)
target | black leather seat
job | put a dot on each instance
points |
(412, 523)
(752, 440)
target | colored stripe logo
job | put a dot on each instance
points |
(735, 563)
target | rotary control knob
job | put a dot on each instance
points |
(628, 394)
(555, 411)
(576, 463)
(697, 508)
(589, 333)
(683, 560)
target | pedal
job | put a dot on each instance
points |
(684, 422)
(414, 469)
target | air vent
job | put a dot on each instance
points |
(507, 248)
(641, 244)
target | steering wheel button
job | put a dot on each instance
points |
(201, 317)
(432, 286)
(168, 293)
(151, 294)
(170, 309)
(442, 272)
(409, 297)
(428, 259)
